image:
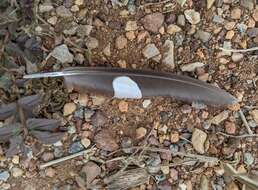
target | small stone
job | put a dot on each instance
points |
(168, 56)
(172, 29)
(105, 141)
(43, 8)
(16, 172)
(50, 172)
(248, 159)
(79, 2)
(203, 36)
(232, 186)
(181, 20)
(107, 50)
(62, 54)
(91, 171)
(69, 108)
(80, 182)
(218, 19)
(123, 106)
(47, 156)
(92, 43)
(237, 57)
(86, 142)
(4, 176)
(230, 128)
(84, 30)
(165, 169)
(255, 15)
(192, 16)
(83, 99)
(52, 20)
(131, 25)
(249, 4)
(198, 140)
(127, 143)
(75, 8)
(75, 147)
(210, 3)
(79, 113)
(5, 186)
(174, 137)
(173, 174)
(241, 27)
(99, 119)
(204, 185)
(170, 18)
(219, 118)
(254, 114)
(63, 12)
(230, 34)
(153, 22)
(140, 132)
(130, 35)
(236, 13)
(16, 159)
(121, 42)
(252, 32)
(191, 67)
(71, 129)
(150, 51)
(146, 103)
(58, 152)
(230, 25)
(122, 63)
(142, 35)
(204, 77)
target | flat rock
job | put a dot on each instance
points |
(150, 51)
(105, 141)
(4, 176)
(121, 42)
(43, 8)
(91, 170)
(84, 30)
(236, 13)
(191, 66)
(75, 147)
(249, 4)
(219, 118)
(99, 119)
(69, 108)
(192, 16)
(62, 54)
(203, 36)
(16, 172)
(131, 26)
(173, 28)
(63, 12)
(168, 56)
(153, 22)
(198, 139)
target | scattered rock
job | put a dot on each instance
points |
(198, 139)
(219, 118)
(254, 114)
(58, 152)
(146, 103)
(168, 56)
(165, 169)
(69, 108)
(4, 176)
(150, 51)
(230, 127)
(62, 54)
(126, 143)
(230, 34)
(170, 18)
(84, 30)
(80, 182)
(121, 42)
(47, 156)
(52, 20)
(50, 172)
(79, 2)
(232, 186)
(83, 99)
(181, 20)
(218, 19)
(203, 36)
(91, 170)
(130, 35)
(141, 132)
(43, 8)
(192, 16)
(174, 137)
(237, 57)
(174, 174)
(123, 106)
(173, 28)
(191, 66)
(249, 4)
(255, 15)
(99, 119)
(63, 12)
(16, 159)
(252, 32)
(204, 183)
(153, 22)
(105, 141)
(236, 13)
(16, 172)
(92, 43)
(248, 159)
(230, 25)
(75, 147)
(85, 142)
(131, 26)
(107, 50)
(210, 3)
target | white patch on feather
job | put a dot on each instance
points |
(124, 87)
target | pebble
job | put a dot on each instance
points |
(165, 169)
(86, 142)
(174, 174)
(210, 3)
(47, 156)
(84, 30)
(218, 19)
(131, 26)
(198, 140)
(99, 119)
(91, 170)
(43, 8)
(105, 141)
(146, 103)
(4, 176)
(219, 118)
(153, 22)
(232, 186)
(83, 99)
(174, 137)
(191, 67)
(230, 34)
(168, 55)
(126, 143)
(173, 28)
(16, 172)
(80, 182)
(248, 159)
(230, 128)
(75, 8)
(62, 54)
(140, 132)
(255, 15)
(230, 25)
(192, 16)
(79, 2)
(123, 106)
(75, 147)
(130, 35)
(16, 159)
(69, 108)
(204, 185)
(71, 129)
(5, 186)
(236, 13)
(52, 20)
(107, 50)
(254, 114)
(249, 4)
(63, 12)
(50, 172)
(79, 113)
(203, 36)
(121, 42)
(181, 20)
(92, 43)
(150, 51)
(252, 32)
(241, 27)
(170, 18)
(237, 57)
(58, 152)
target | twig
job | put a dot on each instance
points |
(239, 50)
(250, 132)
(53, 162)
(238, 136)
